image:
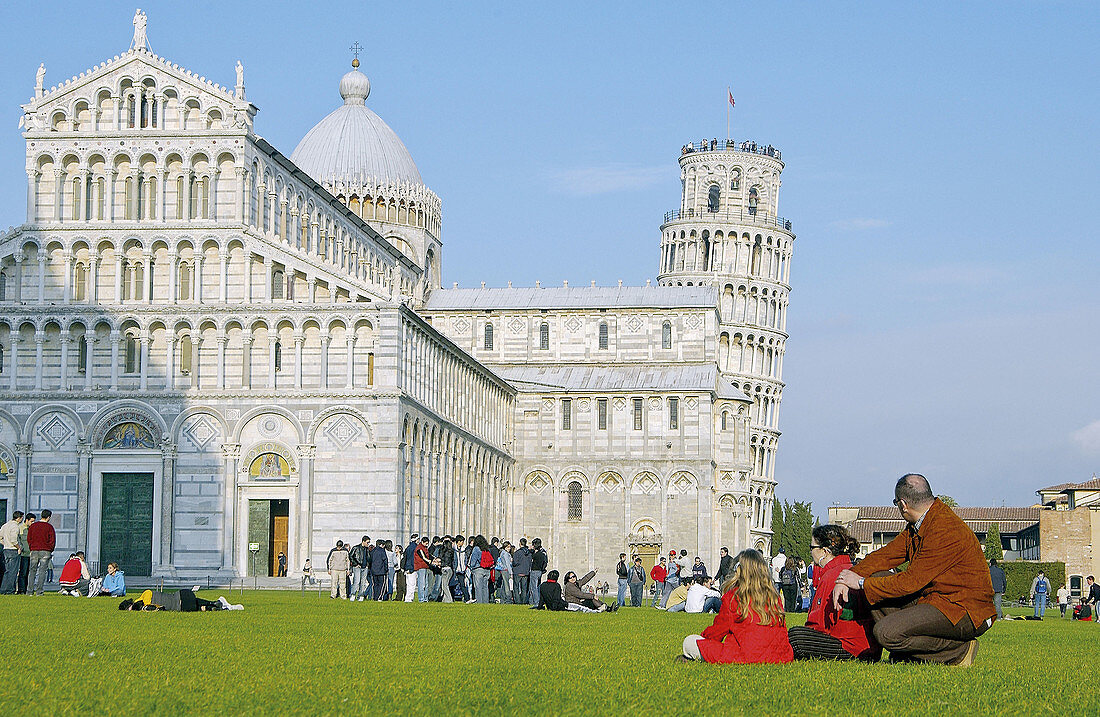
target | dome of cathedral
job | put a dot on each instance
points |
(353, 144)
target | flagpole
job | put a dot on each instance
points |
(728, 93)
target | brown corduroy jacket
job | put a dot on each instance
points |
(947, 568)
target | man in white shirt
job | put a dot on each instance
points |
(1063, 599)
(9, 540)
(778, 563)
(702, 597)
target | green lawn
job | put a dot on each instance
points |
(289, 653)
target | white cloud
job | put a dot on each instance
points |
(587, 181)
(1087, 438)
(860, 224)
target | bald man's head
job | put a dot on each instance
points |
(913, 488)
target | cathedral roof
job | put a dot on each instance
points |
(353, 144)
(582, 297)
(647, 378)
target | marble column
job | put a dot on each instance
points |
(272, 339)
(167, 515)
(173, 276)
(83, 470)
(223, 284)
(116, 337)
(13, 378)
(143, 346)
(198, 278)
(169, 359)
(324, 360)
(67, 281)
(41, 276)
(306, 454)
(39, 339)
(23, 453)
(221, 339)
(246, 361)
(93, 279)
(66, 339)
(231, 452)
(89, 359)
(298, 340)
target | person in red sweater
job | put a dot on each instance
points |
(831, 633)
(75, 576)
(750, 626)
(658, 574)
(41, 540)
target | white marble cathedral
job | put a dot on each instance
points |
(205, 343)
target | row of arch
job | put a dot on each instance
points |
(450, 481)
(757, 257)
(751, 355)
(754, 306)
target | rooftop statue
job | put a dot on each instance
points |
(140, 40)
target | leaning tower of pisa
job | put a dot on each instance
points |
(727, 233)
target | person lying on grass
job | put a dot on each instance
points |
(182, 601)
(750, 626)
(831, 633)
(583, 600)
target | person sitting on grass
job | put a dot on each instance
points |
(550, 594)
(829, 633)
(583, 600)
(702, 597)
(935, 609)
(75, 577)
(677, 599)
(113, 584)
(181, 601)
(750, 626)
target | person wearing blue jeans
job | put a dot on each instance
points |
(539, 561)
(1040, 591)
(624, 584)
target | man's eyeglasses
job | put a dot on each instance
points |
(897, 502)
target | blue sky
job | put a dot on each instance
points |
(942, 177)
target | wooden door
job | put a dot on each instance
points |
(279, 544)
(648, 554)
(126, 524)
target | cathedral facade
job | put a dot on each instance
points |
(212, 352)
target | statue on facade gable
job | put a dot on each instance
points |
(40, 81)
(240, 81)
(140, 40)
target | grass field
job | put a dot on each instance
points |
(300, 654)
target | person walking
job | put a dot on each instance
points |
(42, 540)
(1063, 599)
(282, 564)
(1000, 584)
(636, 580)
(9, 540)
(504, 573)
(539, 561)
(360, 571)
(622, 573)
(338, 565)
(778, 562)
(460, 565)
(408, 566)
(521, 572)
(788, 580)
(1040, 592)
(658, 574)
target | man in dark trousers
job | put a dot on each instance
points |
(379, 568)
(936, 608)
(725, 567)
(621, 574)
(539, 561)
(521, 572)
(1093, 597)
(1000, 584)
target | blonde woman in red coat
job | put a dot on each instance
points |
(750, 626)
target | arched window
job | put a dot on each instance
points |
(185, 282)
(725, 420)
(666, 335)
(713, 197)
(488, 344)
(278, 355)
(754, 200)
(735, 180)
(186, 351)
(544, 337)
(575, 505)
(1, 359)
(82, 355)
(277, 281)
(133, 356)
(80, 282)
(3, 286)
(603, 335)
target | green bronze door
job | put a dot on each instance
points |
(126, 527)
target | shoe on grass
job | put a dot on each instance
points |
(682, 658)
(968, 657)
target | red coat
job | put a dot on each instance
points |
(41, 536)
(856, 635)
(730, 639)
(658, 573)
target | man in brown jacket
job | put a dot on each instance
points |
(934, 610)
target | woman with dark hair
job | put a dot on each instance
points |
(576, 595)
(482, 561)
(832, 634)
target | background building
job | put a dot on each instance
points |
(205, 343)
(1070, 527)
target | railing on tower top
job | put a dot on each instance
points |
(749, 216)
(730, 145)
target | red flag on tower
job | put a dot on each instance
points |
(731, 97)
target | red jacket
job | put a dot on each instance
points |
(40, 536)
(421, 559)
(856, 635)
(71, 573)
(658, 573)
(730, 639)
